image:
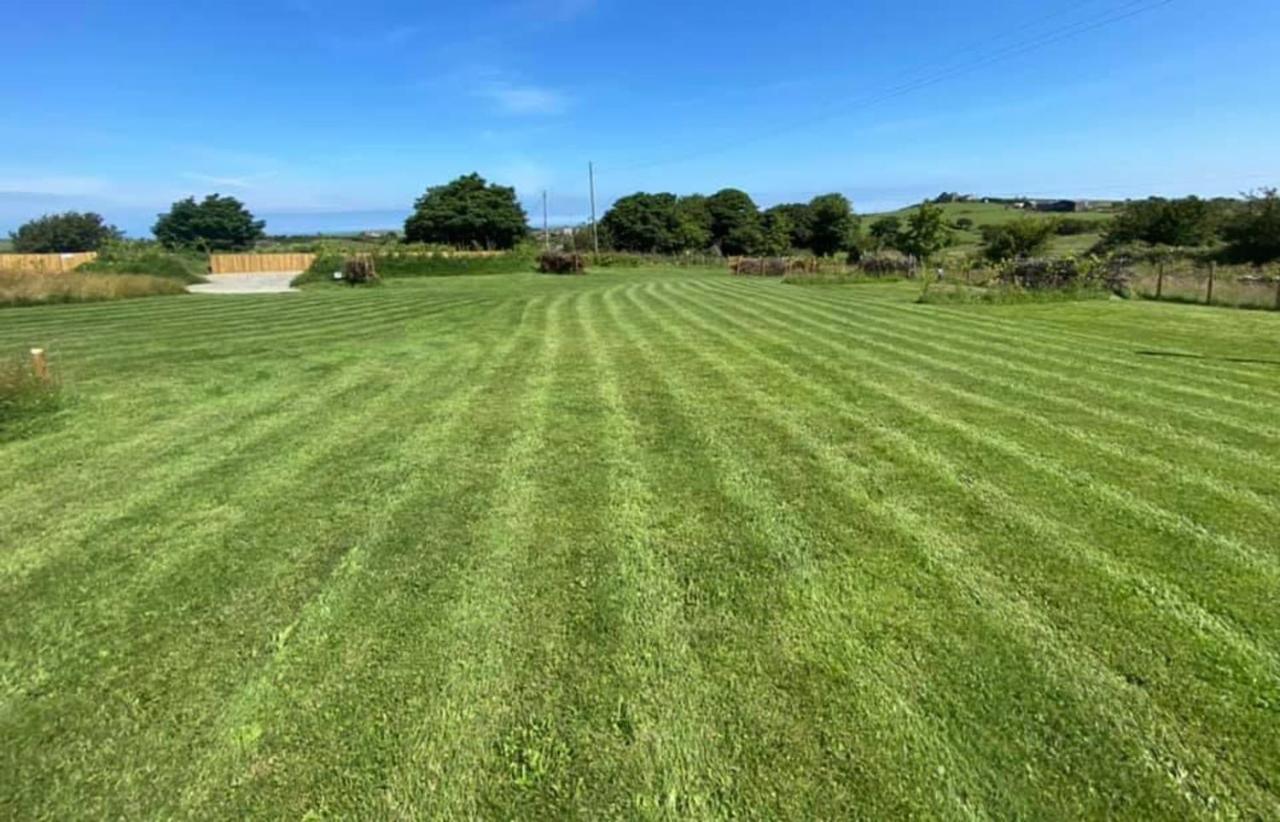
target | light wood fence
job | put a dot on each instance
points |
(44, 263)
(258, 263)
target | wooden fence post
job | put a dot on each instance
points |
(1278, 291)
(1213, 270)
(1160, 281)
(39, 365)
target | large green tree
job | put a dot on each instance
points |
(216, 223)
(833, 226)
(886, 232)
(67, 232)
(775, 233)
(735, 222)
(468, 212)
(644, 223)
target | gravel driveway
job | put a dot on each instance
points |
(275, 282)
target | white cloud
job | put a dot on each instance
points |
(63, 185)
(246, 181)
(511, 98)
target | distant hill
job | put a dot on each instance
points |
(997, 213)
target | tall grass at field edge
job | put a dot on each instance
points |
(75, 287)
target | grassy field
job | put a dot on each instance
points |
(643, 544)
(969, 241)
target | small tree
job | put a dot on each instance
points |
(1019, 238)
(886, 232)
(926, 233)
(468, 213)
(833, 224)
(216, 223)
(70, 231)
(1253, 234)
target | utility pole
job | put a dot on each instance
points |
(546, 235)
(595, 236)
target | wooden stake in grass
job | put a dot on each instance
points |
(39, 365)
(1208, 297)
(1160, 281)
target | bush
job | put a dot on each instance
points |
(1073, 226)
(148, 259)
(321, 270)
(1253, 234)
(558, 262)
(74, 287)
(764, 266)
(1026, 237)
(63, 233)
(1041, 274)
(360, 271)
(888, 263)
(964, 224)
(23, 395)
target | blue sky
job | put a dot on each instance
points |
(335, 115)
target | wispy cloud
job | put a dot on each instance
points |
(246, 181)
(61, 185)
(513, 98)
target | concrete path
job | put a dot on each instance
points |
(266, 283)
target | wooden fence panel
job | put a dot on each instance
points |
(258, 263)
(44, 263)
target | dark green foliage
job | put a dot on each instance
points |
(964, 223)
(1025, 237)
(322, 270)
(735, 222)
(23, 396)
(651, 224)
(409, 264)
(216, 223)
(833, 225)
(926, 232)
(1253, 233)
(468, 213)
(775, 233)
(150, 259)
(70, 231)
(800, 216)
(556, 262)
(1189, 221)
(886, 232)
(1073, 226)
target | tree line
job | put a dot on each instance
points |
(470, 212)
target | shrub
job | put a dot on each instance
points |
(72, 287)
(61, 233)
(321, 270)
(964, 223)
(1021, 238)
(23, 394)
(360, 270)
(887, 263)
(149, 259)
(558, 262)
(764, 266)
(1253, 235)
(1073, 226)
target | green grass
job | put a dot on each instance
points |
(969, 241)
(642, 544)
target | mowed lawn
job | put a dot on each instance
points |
(651, 544)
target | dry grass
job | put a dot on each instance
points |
(38, 289)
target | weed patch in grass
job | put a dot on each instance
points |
(25, 397)
(75, 287)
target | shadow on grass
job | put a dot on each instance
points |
(1181, 355)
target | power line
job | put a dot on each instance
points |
(1124, 12)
